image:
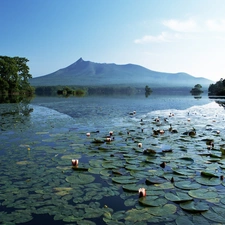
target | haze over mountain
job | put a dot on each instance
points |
(87, 73)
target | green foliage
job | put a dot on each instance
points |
(148, 90)
(218, 88)
(14, 76)
(197, 89)
(66, 91)
(59, 90)
(46, 90)
(111, 90)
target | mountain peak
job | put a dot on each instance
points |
(80, 60)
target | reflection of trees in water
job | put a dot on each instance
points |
(15, 115)
(221, 103)
(196, 96)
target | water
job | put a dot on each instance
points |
(37, 183)
(106, 111)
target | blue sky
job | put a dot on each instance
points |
(162, 35)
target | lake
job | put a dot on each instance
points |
(170, 145)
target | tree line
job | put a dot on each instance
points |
(218, 88)
(14, 80)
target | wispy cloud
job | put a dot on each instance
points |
(189, 25)
(163, 37)
(189, 29)
(216, 25)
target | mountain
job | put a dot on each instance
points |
(86, 73)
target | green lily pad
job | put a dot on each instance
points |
(164, 186)
(203, 193)
(80, 179)
(181, 220)
(187, 185)
(124, 180)
(134, 167)
(192, 206)
(185, 160)
(208, 181)
(155, 180)
(197, 219)
(132, 187)
(137, 215)
(184, 172)
(208, 174)
(214, 216)
(152, 201)
(178, 197)
(165, 210)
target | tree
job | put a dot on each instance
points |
(14, 75)
(218, 88)
(197, 89)
(198, 86)
(148, 90)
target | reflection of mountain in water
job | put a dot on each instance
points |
(104, 109)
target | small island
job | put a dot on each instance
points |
(148, 91)
(196, 90)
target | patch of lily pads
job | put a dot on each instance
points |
(181, 172)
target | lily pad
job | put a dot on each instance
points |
(182, 171)
(152, 201)
(178, 197)
(165, 210)
(132, 187)
(192, 206)
(203, 193)
(208, 181)
(181, 220)
(208, 174)
(214, 216)
(187, 185)
(124, 180)
(155, 180)
(80, 179)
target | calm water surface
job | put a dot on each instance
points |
(107, 111)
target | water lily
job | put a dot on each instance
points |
(75, 162)
(108, 139)
(142, 192)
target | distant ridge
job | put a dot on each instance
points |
(87, 73)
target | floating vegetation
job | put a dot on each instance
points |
(180, 174)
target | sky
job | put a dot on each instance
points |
(166, 36)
